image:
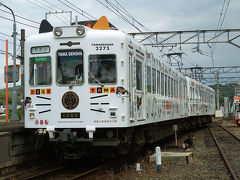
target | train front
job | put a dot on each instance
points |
(75, 88)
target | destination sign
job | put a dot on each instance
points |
(70, 115)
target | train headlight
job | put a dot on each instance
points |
(58, 32)
(80, 30)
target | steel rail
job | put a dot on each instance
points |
(43, 173)
(223, 156)
(230, 133)
(86, 173)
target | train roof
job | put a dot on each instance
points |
(45, 26)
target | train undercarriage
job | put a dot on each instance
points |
(110, 142)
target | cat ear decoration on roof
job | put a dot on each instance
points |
(45, 27)
(102, 23)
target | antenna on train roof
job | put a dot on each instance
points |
(76, 20)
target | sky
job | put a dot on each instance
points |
(155, 15)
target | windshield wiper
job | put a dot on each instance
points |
(95, 79)
(77, 78)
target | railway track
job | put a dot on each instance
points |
(67, 172)
(43, 173)
(228, 145)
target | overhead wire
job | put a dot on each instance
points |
(57, 8)
(5, 34)
(121, 12)
(53, 10)
(38, 5)
(118, 14)
(8, 42)
(129, 15)
(19, 22)
(81, 10)
(32, 21)
(81, 13)
(4, 52)
(219, 26)
(43, 8)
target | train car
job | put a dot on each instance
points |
(97, 91)
(201, 98)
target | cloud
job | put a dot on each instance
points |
(164, 15)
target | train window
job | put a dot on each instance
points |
(172, 87)
(70, 66)
(180, 94)
(40, 71)
(196, 94)
(177, 89)
(162, 84)
(165, 89)
(169, 86)
(102, 69)
(149, 79)
(191, 91)
(158, 82)
(139, 75)
(154, 80)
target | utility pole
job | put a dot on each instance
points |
(22, 41)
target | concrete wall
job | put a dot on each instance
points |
(17, 149)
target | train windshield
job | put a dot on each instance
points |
(102, 69)
(40, 71)
(70, 66)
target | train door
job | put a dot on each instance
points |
(130, 84)
(181, 95)
(139, 89)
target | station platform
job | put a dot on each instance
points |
(17, 146)
(11, 126)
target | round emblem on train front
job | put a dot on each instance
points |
(70, 100)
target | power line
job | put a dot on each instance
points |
(122, 13)
(43, 7)
(53, 10)
(4, 52)
(190, 60)
(5, 34)
(81, 10)
(19, 22)
(130, 16)
(220, 14)
(220, 27)
(81, 13)
(38, 5)
(21, 17)
(225, 14)
(8, 42)
(118, 14)
(55, 7)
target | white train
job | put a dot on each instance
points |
(98, 91)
